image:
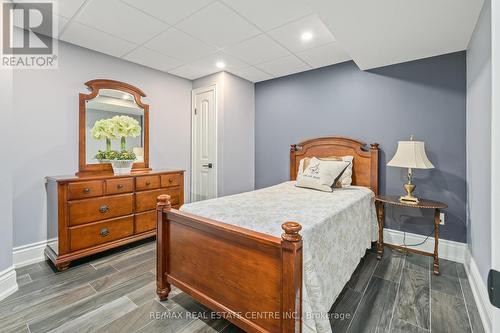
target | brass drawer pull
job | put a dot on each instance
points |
(86, 190)
(104, 232)
(148, 183)
(104, 209)
(120, 186)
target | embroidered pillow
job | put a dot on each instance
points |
(321, 174)
(345, 179)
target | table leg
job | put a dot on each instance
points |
(436, 241)
(380, 217)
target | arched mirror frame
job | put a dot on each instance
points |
(95, 86)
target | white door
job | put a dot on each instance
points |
(204, 144)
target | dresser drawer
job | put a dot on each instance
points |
(145, 221)
(120, 185)
(147, 200)
(82, 190)
(147, 183)
(89, 210)
(170, 180)
(101, 232)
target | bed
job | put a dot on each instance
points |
(245, 256)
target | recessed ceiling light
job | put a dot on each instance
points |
(220, 64)
(306, 36)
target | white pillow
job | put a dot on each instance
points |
(346, 177)
(321, 174)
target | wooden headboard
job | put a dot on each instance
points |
(365, 164)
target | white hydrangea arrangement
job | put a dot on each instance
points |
(126, 127)
(104, 129)
(118, 127)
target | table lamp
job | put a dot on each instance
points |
(411, 155)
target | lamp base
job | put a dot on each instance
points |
(409, 198)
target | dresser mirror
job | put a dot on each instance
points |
(113, 121)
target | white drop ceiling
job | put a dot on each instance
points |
(261, 39)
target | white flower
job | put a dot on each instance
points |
(104, 129)
(126, 126)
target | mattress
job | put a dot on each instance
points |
(337, 228)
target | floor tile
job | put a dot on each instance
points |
(448, 268)
(363, 273)
(448, 314)
(446, 284)
(391, 266)
(412, 305)
(375, 310)
(417, 262)
(343, 310)
(135, 319)
(399, 326)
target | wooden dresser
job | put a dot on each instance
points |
(91, 214)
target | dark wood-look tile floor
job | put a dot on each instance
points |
(115, 292)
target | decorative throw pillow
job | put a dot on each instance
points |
(345, 179)
(321, 174)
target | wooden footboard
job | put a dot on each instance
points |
(252, 279)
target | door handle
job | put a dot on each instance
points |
(209, 165)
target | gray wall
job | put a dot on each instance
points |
(46, 123)
(479, 109)
(6, 136)
(425, 98)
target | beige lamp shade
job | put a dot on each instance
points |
(411, 154)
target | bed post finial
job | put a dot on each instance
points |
(163, 202)
(291, 231)
(293, 148)
(374, 146)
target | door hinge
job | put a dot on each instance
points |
(195, 110)
(494, 287)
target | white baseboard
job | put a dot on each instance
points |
(29, 254)
(479, 291)
(449, 250)
(8, 282)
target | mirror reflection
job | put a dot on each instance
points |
(114, 125)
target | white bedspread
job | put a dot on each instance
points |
(337, 228)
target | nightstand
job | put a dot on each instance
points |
(381, 201)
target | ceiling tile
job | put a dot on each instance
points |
(210, 61)
(169, 11)
(120, 20)
(84, 36)
(68, 8)
(61, 24)
(153, 59)
(289, 35)
(324, 55)
(208, 66)
(283, 66)
(218, 25)
(177, 44)
(257, 50)
(251, 74)
(190, 72)
(270, 14)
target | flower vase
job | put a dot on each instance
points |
(108, 144)
(123, 144)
